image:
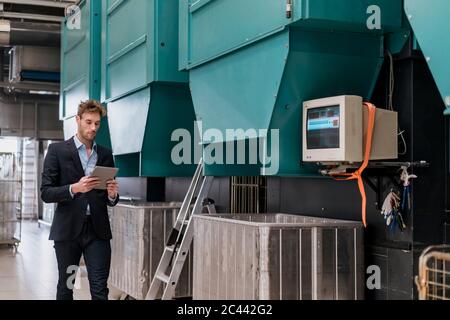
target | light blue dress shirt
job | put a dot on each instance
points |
(88, 163)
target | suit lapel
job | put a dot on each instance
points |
(99, 156)
(75, 157)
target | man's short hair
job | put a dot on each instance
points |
(91, 106)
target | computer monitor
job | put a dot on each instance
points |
(334, 130)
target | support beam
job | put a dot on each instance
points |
(42, 3)
(30, 16)
(34, 86)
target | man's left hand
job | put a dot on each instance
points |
(113, 188)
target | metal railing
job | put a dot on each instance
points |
(248, 194)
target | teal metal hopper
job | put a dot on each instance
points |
(80, 65)
(147, 97)
(253, 63)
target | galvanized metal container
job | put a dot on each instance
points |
(277, 257)
(10, 191)
(10, 195)
(139, 235)
(8, 220)
(10, 167)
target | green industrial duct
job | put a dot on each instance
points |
(253, 63)
(80, 65)
(147, 97)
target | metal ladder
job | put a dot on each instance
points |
(180, 238)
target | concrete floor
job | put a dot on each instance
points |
(31, 274)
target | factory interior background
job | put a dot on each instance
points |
(234, 125)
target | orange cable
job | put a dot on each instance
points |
(357, 175)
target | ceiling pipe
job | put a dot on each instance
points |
(13, 33)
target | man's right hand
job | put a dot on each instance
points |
(85, 185)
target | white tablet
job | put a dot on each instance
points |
(104, 174)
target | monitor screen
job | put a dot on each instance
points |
(323, 128)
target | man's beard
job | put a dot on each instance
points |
(89, 137)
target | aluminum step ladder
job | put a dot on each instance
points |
(180, 239)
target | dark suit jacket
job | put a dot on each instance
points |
(62, 167)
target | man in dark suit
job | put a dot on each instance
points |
(81, 224)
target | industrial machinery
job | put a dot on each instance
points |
(146, 96)
(313, 52)
(244, 70)
(254, 71)
(41, 64)
(309, 48)
(80, 65)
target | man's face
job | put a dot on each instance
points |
(88, 125)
